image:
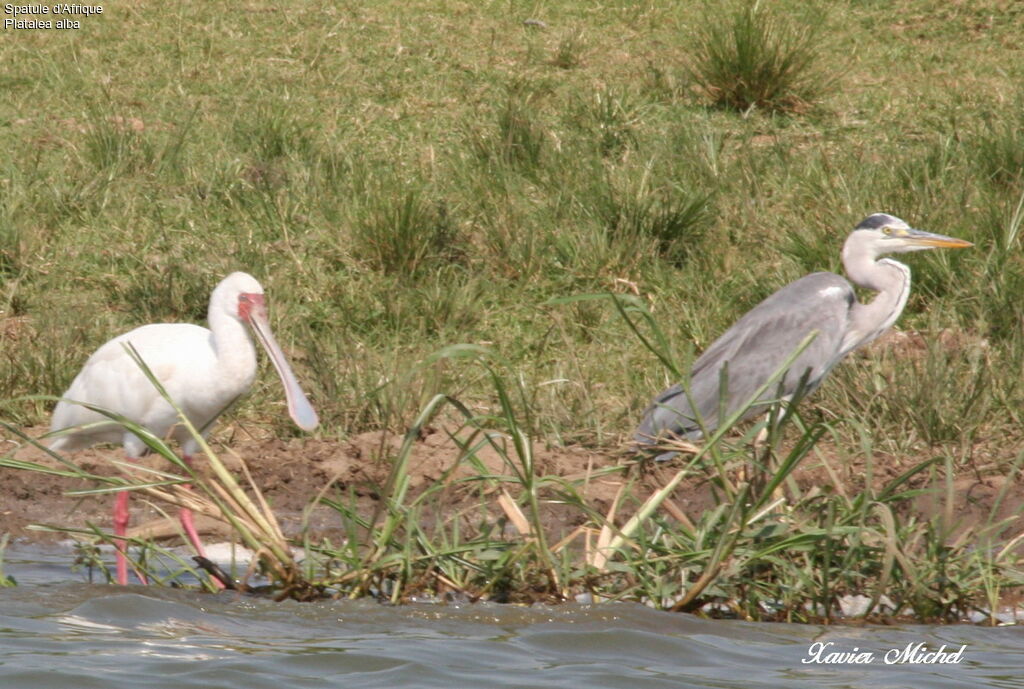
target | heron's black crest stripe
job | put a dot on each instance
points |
(873, 222)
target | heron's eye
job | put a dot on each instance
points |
(887, 230)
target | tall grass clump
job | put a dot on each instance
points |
(1001, 276)
(939, 391)
(272, 175)
(405, 232)
(999, 149)
(26, 368)
(168, 291)
(10, 250)
(115, 144)
(670, 216)
(518, 139)
(752, 55)
(610, 120)
(568, 54)
(13, 233)
(273, 132)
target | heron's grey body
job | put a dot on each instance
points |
(758, 344)
(773, 327)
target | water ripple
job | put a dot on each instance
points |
(59, 635)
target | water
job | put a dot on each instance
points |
(57, 632)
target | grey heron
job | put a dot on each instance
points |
(761, 341)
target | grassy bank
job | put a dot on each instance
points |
(403, 177)
(491, 522)
(406, 177)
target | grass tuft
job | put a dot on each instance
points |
(670, 216)
(115, 144)
(407, 234)
(610, 119)
(999, 150)
(752, 55)
(569, 52)
(519, 139)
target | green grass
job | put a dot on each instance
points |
(753, 55)
(402, 177)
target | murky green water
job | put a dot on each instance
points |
(56, 632)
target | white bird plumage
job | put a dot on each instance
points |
(203, 371)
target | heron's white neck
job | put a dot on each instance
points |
(236, 354)
(891, 279)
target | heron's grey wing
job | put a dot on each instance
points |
(754, 348)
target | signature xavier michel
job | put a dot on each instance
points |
(825, 653)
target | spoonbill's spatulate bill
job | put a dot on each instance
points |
(760, 342)
(203, 371)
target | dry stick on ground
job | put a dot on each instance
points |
(599, 558)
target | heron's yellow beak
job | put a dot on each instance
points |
(930, 239)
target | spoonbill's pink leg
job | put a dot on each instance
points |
(186, 520)
(120, 530)
(185, 515)
(120, 540)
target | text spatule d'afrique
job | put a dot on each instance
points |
(57, 9)
(61, 10)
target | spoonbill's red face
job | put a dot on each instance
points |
(249, 302)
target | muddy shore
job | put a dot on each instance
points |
(293, 473)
